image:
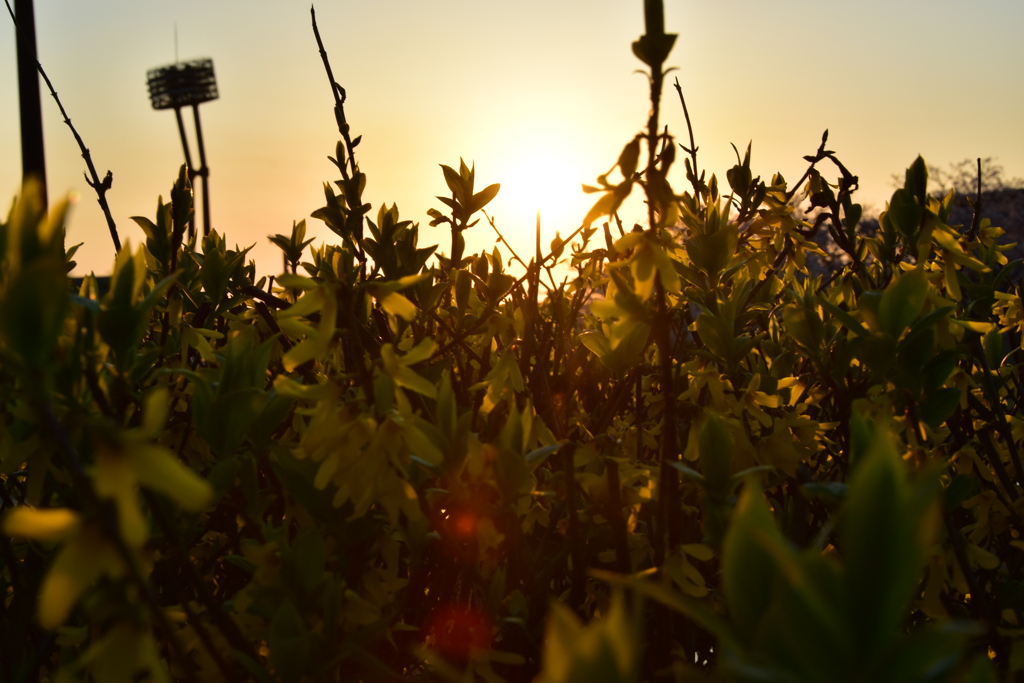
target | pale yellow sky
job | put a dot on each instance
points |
(541, 95)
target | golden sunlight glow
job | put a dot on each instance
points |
(543, 177)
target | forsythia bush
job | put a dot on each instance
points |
(663, 453)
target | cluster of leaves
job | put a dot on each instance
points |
(689, 460)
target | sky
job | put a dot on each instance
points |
(540, 95)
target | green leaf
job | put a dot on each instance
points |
(628, 347)
(606, 204)
(415, 433)
(288, 642)
(32, 309)
(628, 158)
(903, 214)
(483, 197)
(935, 653)
(652, 50)
(916, 181)
(749, 569)
(848, 321)
(716, 452)
(398, 306)
(537, 456)
(883, 543)
(597, 343)
(993, 346)
(699, 612)
(454, 181)
(306, 560)
(688, 471)
(938, 405)
(831, 492)
(605, 650)
(804, 325)
(902, 302)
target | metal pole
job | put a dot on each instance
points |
(33, 160)
(188, 166)
(203, 172)
(184, 142)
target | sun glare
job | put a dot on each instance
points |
(543, 180)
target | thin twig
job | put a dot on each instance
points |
(692, 150)
(350, 148)
(339, 98)
(501, 238)
(100, 187)
(483, 319)
(669, 530)
(976, 221)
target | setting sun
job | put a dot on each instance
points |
(588, 407)
(541, 176)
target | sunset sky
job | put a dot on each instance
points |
(540, 94)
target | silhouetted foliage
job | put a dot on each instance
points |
(692, 459)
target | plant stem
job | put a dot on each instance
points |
(100, 187)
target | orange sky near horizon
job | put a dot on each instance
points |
(540, 95)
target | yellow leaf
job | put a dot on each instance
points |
(154, 411)
(605, 308)
(309, 303)
(291, 281)
(952, 282)
(300, 353)
(326, 470)
(666, 270)
(192, 337)
(420, 352)
(77, 566)
(328, 323)
(699, 550)
(974, 325)
(115, 478)
(628, 241)
(410, 280)
(158, 469)
(114, 657)
(203, 332)
(404, 377)
(420, 445)
(48, 526)
(763, 399)
(397, 367)
(397, 305)
(644, 269)
(984, 558)
(308, 392)
(296, 328)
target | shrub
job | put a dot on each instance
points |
(689, 459)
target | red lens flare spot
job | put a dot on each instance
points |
(464, 525)
(456, 631)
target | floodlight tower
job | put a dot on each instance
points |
(180, 85)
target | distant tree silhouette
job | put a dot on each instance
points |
(962, 177)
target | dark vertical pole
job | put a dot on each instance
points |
(204, 172)
(184, 143)
(33, 161)
(188, 167)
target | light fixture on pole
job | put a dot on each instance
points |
(180, 85)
